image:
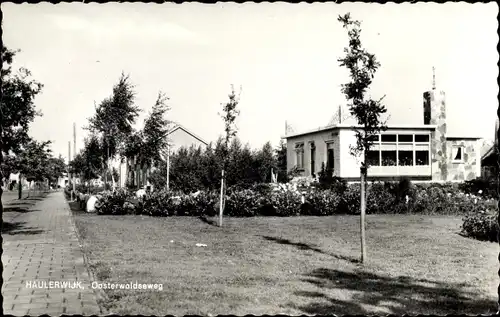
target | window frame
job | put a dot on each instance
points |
(299, 151)
(403, 146)
(462, 158)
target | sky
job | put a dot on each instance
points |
(283, 56)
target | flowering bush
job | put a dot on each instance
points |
(481, 226)
(303, 181)
(243, 203)
(290, 200)
(380, 200)
(480, 187)
(321, 203)
(201, 203)
(283, 200)
(160, 203)
(113, 203)
(168, 203)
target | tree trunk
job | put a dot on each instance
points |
(1, 192)
(120, 174)
(363, 211)
(107, 167)
(20, 187)
(168, 167)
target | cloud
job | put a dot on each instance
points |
(125, 27)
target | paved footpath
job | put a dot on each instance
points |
(40, 246)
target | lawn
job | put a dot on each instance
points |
(294, 266)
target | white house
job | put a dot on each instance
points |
(420, 152)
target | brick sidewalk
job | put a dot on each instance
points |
(40, 245)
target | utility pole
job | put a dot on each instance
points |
(168, 166)
(74, 155)
(69, 161)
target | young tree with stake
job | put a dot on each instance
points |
(229, 114)
(362, 67)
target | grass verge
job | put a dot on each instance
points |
(299, 265)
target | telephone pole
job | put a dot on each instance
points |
(69, 161)
(74, 155)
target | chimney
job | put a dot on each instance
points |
(435, 114)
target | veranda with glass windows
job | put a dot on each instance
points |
(400, 154)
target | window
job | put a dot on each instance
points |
(405, 149)
(421, 138)
(388, 138)
(422, 157)
(299, 158)
(313, 158)
(388, 158)
(373, 158)
(330, 156)
(405, 138)
(405, 158)
(457, 154)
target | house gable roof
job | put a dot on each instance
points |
(178, 126)
(490, 151)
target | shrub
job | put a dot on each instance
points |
(481, 226)
(481, 187)
(378, 199)
(283, 200)
(160, 203)
(262, 188)
(321, 203)
(114, 203)
(202, 203)
(381, 200)
(326, 180)
(351, 200)
(243, 203)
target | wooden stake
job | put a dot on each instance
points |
(221, 199)
(363, 211)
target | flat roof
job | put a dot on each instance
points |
(454, 137)
(350, 126)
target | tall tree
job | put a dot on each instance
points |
(32, 161)
(89, 163)
(54, 169)
(362, 67)
(229, 114)
(281, 162)
(17, 110)
(155, 133)
(114, 118)
(266, 161)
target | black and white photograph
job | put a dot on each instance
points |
(250, 158)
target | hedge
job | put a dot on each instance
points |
(291, 200)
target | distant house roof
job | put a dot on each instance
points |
(178, 126)
(489, 152)
(350, 126)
